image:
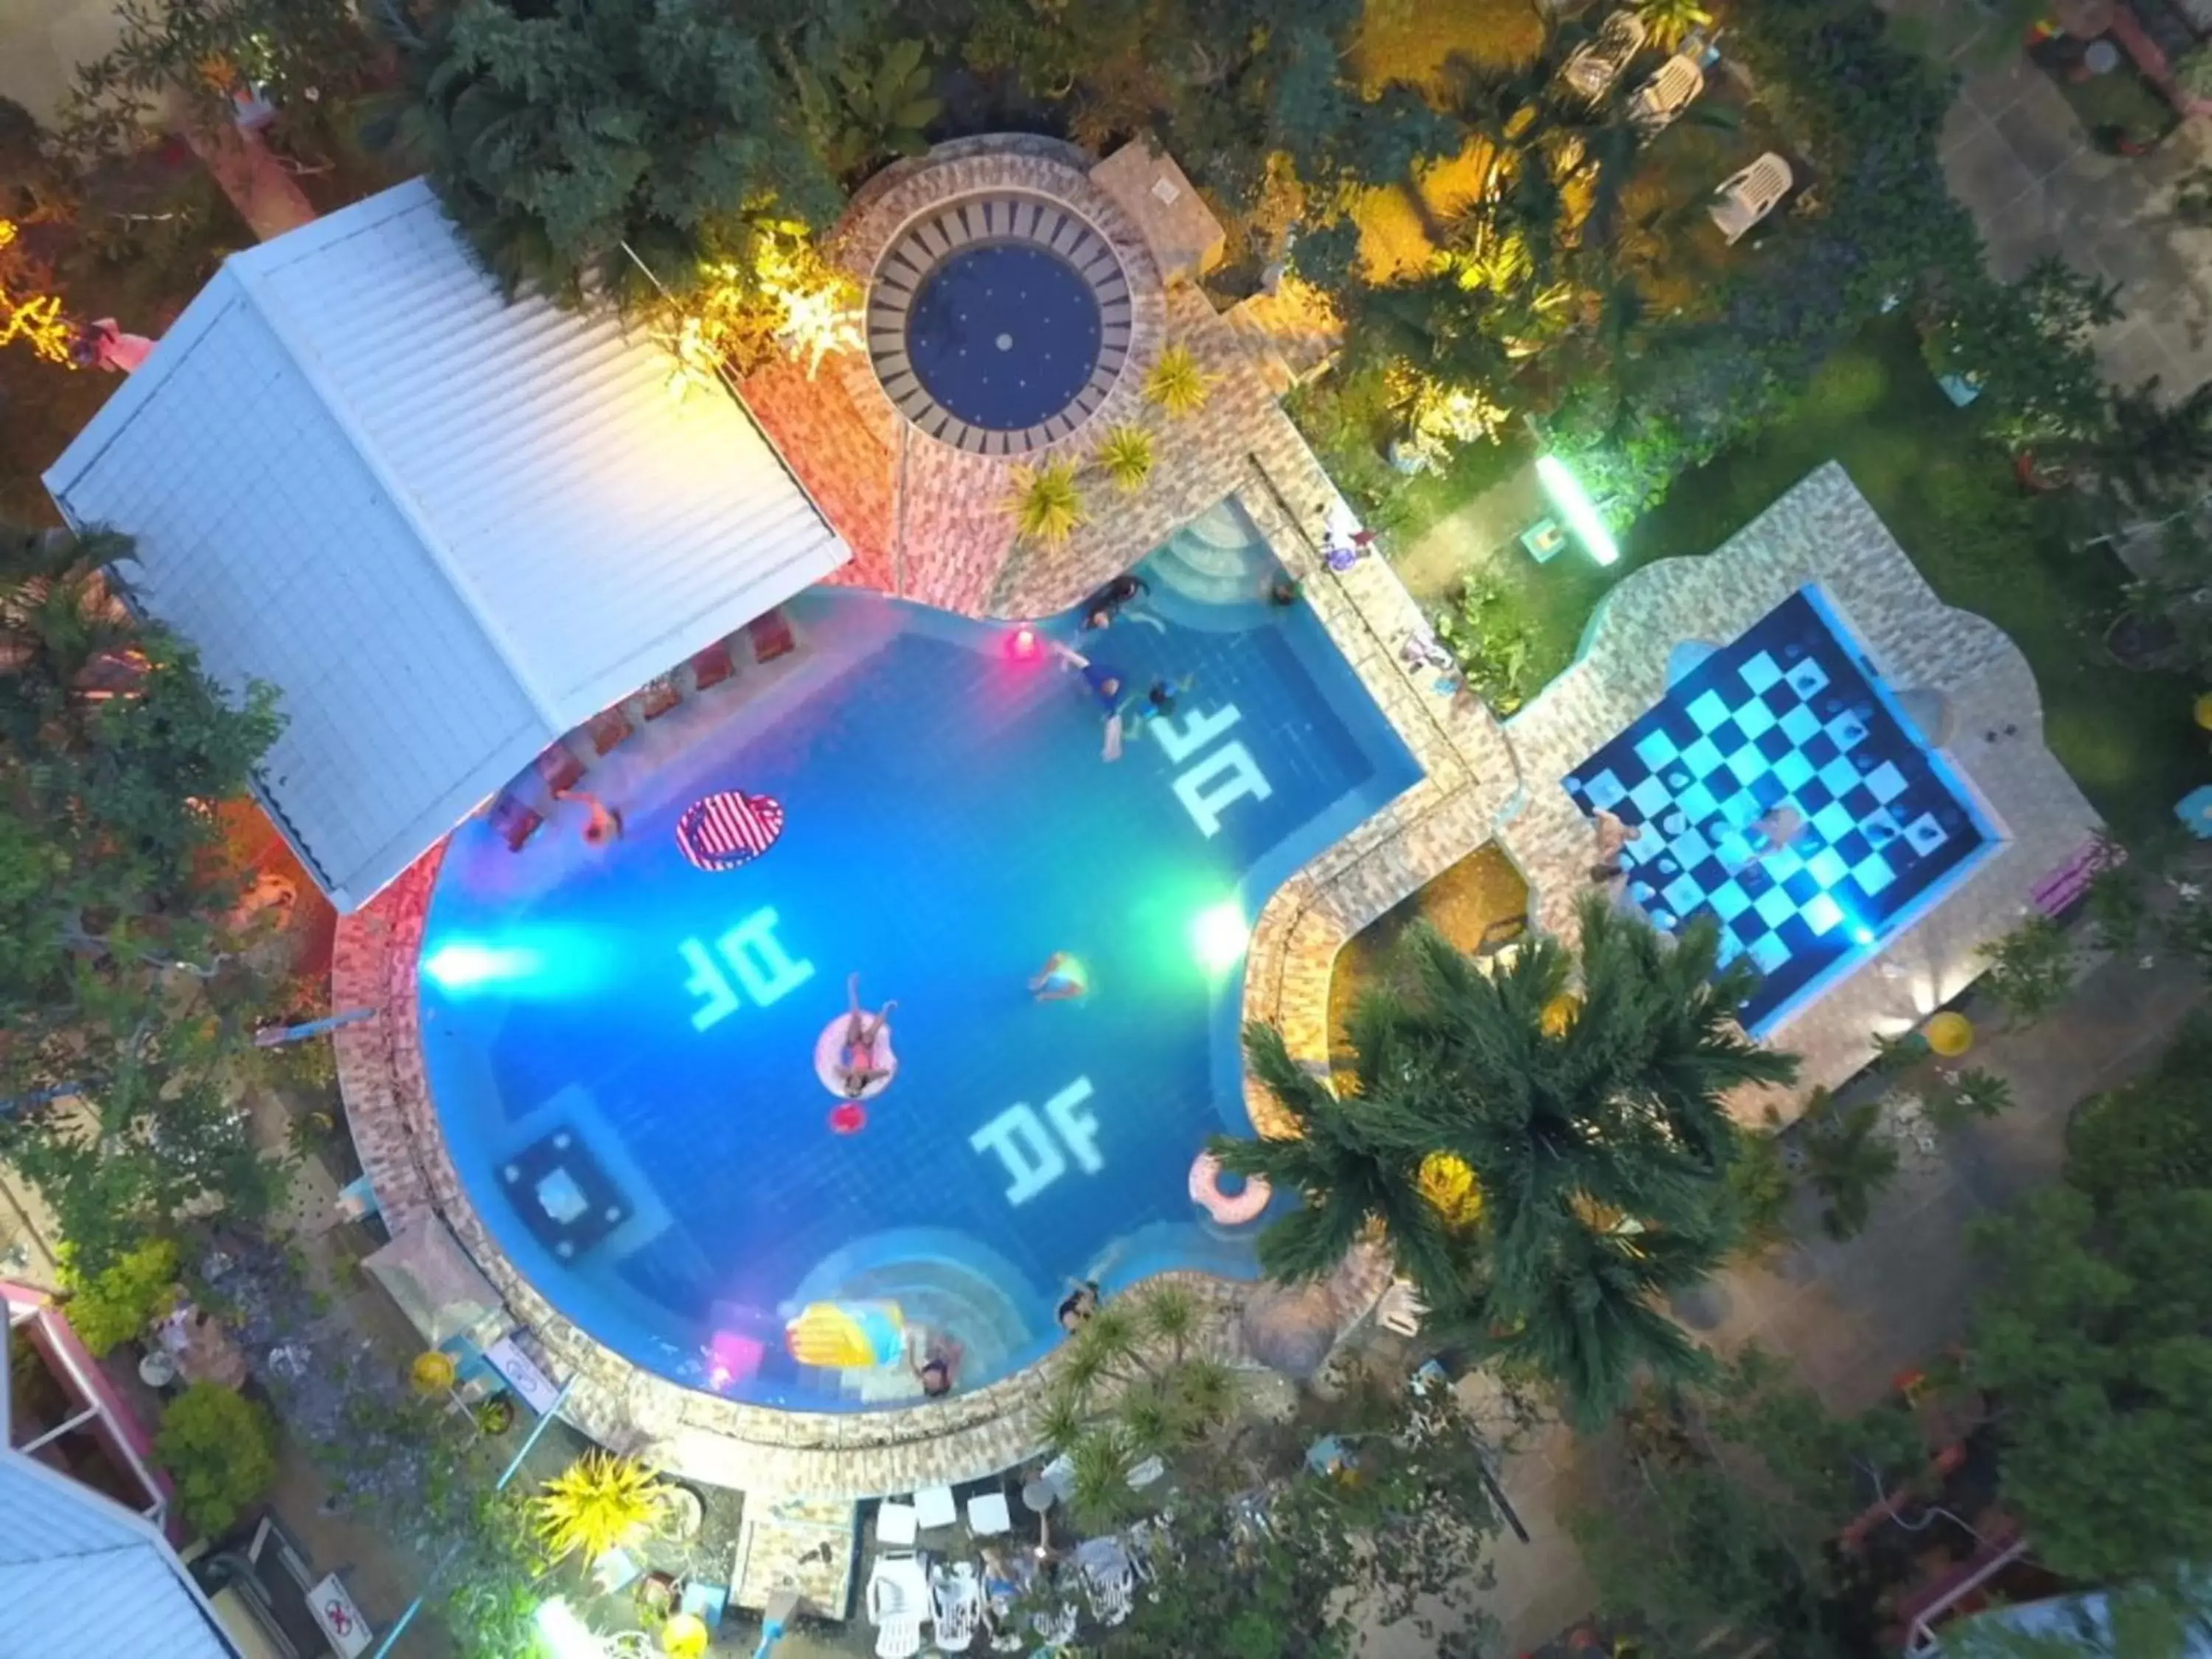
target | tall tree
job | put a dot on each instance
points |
(573, 139)
(1719, 1517)
(1346, 1157)
(1583, 1091)
(126, 986)
(2097, 1336)
(1263, 1558)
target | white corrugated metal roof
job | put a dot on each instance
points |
(79, 1573)
(448, 528)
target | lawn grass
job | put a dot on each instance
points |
(1949, 496)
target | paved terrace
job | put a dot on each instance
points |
(928, 522)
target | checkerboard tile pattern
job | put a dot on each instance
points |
(1783, 728)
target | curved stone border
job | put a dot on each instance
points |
(883, 214)
(973, 1434)
(1003, 217)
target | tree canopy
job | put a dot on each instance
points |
(2097, 1336)
(1720, 1515)
(573, 140)
(127, 978)
(1581, 1089)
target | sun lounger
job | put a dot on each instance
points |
(1746, 198)
(560, 768)
(898, 1603)
(712, 666)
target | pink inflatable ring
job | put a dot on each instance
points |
(1230, 1209)
(830, 1060)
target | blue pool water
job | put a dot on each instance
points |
(621, 1043)
(1789, 723)
(1004, 335)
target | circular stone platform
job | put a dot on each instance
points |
(1001, 315)
(1011, 303)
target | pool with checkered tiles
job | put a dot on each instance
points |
(1789, 729)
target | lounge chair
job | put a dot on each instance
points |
(1746, 198)
(607, 729)
(1653, 106)
(560, 768)
(515, 823)
(661, 694)
(1592, 67)
(956, 1599)
(898, 1603)
(771, 636)
(710, 667)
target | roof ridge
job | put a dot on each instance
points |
(246, 270)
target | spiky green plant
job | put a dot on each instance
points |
(1177, 384)
(596, 1503)
(1047, 506)
(1666, 21)
(1125, 455)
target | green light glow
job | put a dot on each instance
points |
(1575, 507)
(1219, 934)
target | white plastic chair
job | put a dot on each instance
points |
(898, 1603)
(1746, 198)
(1672, 88)
(1592, 67)
(956, 1598)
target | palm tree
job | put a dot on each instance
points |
(60, 610)
(1591, 1077)
(1587, 1317)
(1582, 1089)
(1133, 1385)
(1666, 22)
(1349, 1160)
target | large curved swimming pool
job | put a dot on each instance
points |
(622, 1041)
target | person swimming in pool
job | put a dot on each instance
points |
(1062, 979)
(861, 1061)
(933, 1362)
(1103, 607)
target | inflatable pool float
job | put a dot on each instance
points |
(723, 830)
(829, 1060)
(847, 1335)
(1230, 1209)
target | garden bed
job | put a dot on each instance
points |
(2120, 106)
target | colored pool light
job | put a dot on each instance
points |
(1567, 494)
(1219, 934)
(461, 965)
(566, 1636)
(1023, 644)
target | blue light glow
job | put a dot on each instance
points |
(1567, 494)
(464, 964)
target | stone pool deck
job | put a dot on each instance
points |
(928, 522)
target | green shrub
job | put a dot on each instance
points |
(2029, 972)
(1958, 1099)
(115, 1304)
(1488, 635)
(220, 1449)
(2153, 1133)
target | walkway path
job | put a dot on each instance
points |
(2019, 160)
(1852, 1316)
